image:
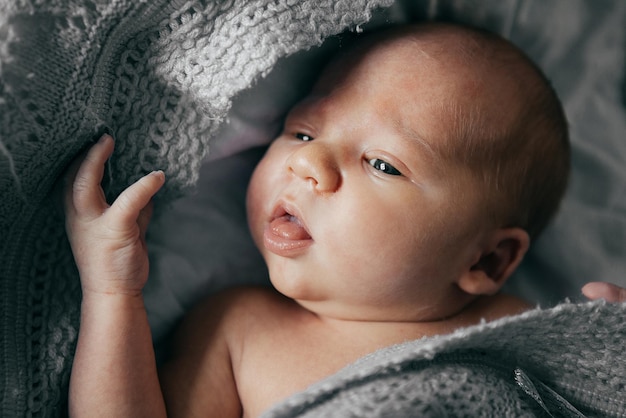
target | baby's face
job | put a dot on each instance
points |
(355, 213)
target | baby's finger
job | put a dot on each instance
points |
(70, 175)
(127, 207)
(87, 196)
(144, 218)
(606, 291)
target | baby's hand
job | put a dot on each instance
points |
(108, 242)
(606, 291)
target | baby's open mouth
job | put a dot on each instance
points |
(285, 233)
(289, 227)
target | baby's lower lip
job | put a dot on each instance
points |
(285, 236)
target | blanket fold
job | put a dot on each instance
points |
(564, 362)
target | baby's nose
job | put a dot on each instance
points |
(315, 163)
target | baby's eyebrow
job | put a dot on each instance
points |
(306, 103)
(413, 136)
(427, 152)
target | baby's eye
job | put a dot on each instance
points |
(303, 137)
(384, 166)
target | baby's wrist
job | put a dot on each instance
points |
(126, 298)
(112, 314)
(98, 281)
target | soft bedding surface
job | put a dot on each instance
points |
(191, 87)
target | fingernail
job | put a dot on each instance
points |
(105, 137)
(158, 173)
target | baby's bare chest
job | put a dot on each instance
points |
(277, 365)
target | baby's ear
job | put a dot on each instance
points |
(500, 257)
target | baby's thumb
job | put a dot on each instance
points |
(144, 218)
(129, 207)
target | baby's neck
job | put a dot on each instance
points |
(383, 332)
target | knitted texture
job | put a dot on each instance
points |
(562, 362)
(159, 75)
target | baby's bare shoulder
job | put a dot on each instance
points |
(236, 313)
(209, 344)
(253, 302)
(497, 306)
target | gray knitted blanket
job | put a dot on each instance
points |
(160, 76)
(563, 362)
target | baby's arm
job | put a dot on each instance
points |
(114, 372)
(198, 378)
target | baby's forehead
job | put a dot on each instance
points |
(450, 49)
(438, 42)
(378, 68)
(388, 58)
(471, 77)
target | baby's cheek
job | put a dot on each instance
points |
(254, 209)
